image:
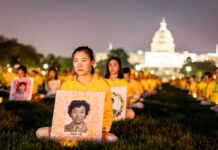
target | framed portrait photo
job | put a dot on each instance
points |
(78, 115)
(119, 97)
(21, 89)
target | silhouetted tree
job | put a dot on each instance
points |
(199, 68)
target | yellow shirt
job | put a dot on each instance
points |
(135, 90)
(8, 78)
(64, 78)
(96, 84)
(38, 81)
(149, 85)
(193, 88)
(201, 89)
(212, 92)
(117, 82)
(183, 83)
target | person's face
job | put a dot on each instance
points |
(206, 78)
(78, 114)
(126, 76)
(21, 73)
(22, 88)
(82, 63)
(51, 74)
(113, 67)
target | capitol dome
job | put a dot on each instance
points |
(163, 40)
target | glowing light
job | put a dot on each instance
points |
(1, 100)
(167, 72)
(173, 77)
(140, 52)
(194, 95)
(188, 69)
(45, 66)
(152, 71)
(10, 70)
(43, 73)
(138, 67)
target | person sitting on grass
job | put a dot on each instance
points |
(21, 72)
(53, 83)
(134, 90)
(212, 91)
(193, 82)
(85, 80)
(114, 76)
(202, 86)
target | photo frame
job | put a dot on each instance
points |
(119, 97)
(21, 89)
(78, 115)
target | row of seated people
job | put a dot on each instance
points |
(86, 79)
(204, 90)
(140, 84)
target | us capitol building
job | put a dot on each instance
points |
(162, 59)
(163, 54)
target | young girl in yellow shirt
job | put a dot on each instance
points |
(85, 80)
(114, 76)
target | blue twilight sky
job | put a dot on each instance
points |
(59, 26)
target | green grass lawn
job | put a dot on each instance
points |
(170, 120)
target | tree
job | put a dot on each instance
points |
(101, 66)
(13, 52)
(198, 68)
(120, 53)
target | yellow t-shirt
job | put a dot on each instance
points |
(201, 89)
(64, 78)
(183, 83)
(38, 81)
(8, 78)
(135, 90)
(193, 88)
(96, 84)
(212, 92)
(149, 85)
(117, 82)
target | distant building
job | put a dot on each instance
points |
(162, 54)
(137, 57)
(209, 56)
(163, 40)
(100, 56)
(162, 59)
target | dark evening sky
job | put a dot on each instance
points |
(59, 26)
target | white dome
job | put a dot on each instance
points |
(163, 40)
